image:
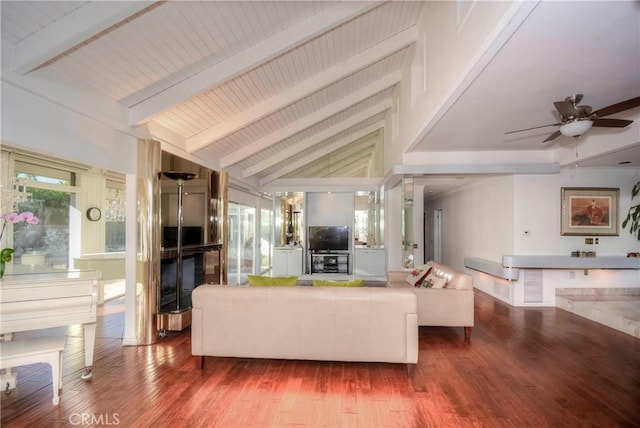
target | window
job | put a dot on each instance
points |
(52, 193)
(114, 215)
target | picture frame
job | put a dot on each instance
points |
(589, 211)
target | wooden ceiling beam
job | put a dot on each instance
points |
(304, 89)
(312, 119)
(248, 59)
(292, 166)
(318, 138)
(70, 31)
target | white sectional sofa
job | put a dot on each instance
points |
(368, 324)
(451, 306)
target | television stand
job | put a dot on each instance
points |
(330, 263)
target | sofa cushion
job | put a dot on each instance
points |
(349, 283)
(417, 276)
(257, 280)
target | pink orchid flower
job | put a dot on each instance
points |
(28, 217)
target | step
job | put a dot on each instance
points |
(618, 308)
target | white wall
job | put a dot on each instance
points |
(486, 220)
(537, 209)
(36, 124)
(451, 52)
(331, 209)
(393, 227)
(477, 221)
(93, 189)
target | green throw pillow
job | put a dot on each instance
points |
(258, 280)
(350, 283)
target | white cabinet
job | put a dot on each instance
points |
(287, 261)
(370, 262)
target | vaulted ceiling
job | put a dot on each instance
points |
(305, 88)
(267, 88)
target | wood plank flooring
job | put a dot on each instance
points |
(524, 367)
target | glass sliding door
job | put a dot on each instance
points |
(407, 223)
(266, 249)
(242, 243)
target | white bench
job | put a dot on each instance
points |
(48, 350)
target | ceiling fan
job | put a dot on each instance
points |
(577, 119)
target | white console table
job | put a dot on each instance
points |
(532, 280)
(568, 262)
(511, 264)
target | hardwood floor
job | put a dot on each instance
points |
(524, 367)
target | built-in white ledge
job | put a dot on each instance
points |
(568, 262)
(492, 268)
(509, 268)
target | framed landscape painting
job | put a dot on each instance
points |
(589, 211)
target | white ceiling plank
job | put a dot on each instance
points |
(321, 136)
(248, 59)
(339, 156)
(71, 30)
(318, 154)
(362, 149)
(304, 89)
(316, 139)
(345, 146)
(347, 166)
(318, 116)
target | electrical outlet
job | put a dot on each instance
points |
(597, 240)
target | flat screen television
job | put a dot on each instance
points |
(191, 235)
(329, 238)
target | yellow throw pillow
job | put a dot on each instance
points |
(349, 283)
(257, 280)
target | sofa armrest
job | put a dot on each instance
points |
(445, 307)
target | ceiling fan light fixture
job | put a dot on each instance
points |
(576, 127)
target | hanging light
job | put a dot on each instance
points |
(576, 127)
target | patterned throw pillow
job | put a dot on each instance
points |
(416, 276)
(434, 281)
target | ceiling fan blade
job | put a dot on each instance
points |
(612, 123)
(552, 137)
(566, 109)
(618, 107)
(535, 127)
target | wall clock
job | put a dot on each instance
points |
(94, 213)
